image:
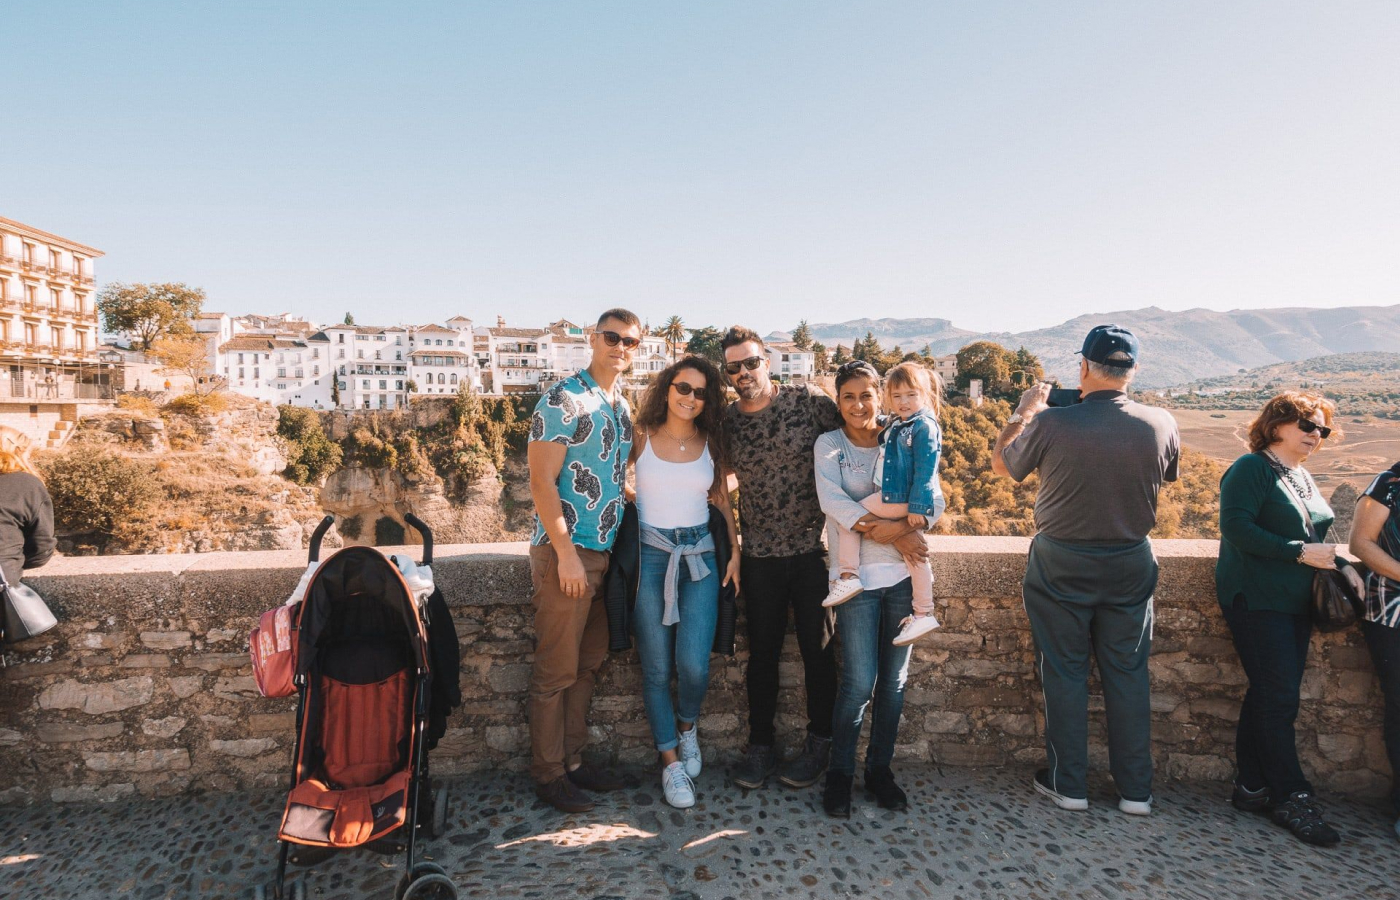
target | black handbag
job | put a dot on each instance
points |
(26, 613)
(1333, 604)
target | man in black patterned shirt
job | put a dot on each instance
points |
(769, 435)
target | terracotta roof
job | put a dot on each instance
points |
(517, 332)
(251, 342)
(433, 329)
(454, 354)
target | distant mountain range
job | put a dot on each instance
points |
(1177, 347)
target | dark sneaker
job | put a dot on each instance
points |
(1043, 785)
(1249, 801)
(758, 763)
(1300, 815)
(596, 778)
(805, 768)
(879, 783)
(836, 797)
(564, 795)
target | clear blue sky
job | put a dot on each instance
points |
(1003, 165)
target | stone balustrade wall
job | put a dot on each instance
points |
(145, 687)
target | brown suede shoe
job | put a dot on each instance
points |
(564, 795)
(595, 778)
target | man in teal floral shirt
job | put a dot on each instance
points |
(580, 438)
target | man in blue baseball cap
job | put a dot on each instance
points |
(1091, 572)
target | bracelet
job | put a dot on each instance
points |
(1301, 550)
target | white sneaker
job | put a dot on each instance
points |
(1042, 785)
(689, 750)
(1135, 807)
(913, 628)
(677, 786)
(842, 589)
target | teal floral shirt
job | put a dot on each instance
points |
(597, 433)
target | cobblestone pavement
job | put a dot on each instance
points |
(970, 833)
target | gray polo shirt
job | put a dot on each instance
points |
(1101, 464)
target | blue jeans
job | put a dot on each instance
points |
(871, 666)
(681, 650)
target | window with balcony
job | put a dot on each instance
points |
(281, 372)
(27, 252)
(55, 258)
(301, 373)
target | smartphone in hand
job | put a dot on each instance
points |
(1063, 397)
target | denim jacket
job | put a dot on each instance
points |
(912, 449)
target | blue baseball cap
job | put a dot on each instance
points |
(1106, 340)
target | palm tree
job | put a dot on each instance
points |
(674, 334)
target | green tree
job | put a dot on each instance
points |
(673, 333)
(839, 358)
(802, 336)
(311, 456)
(988, 361)
(349, 319)
(705, 342)
(820, 360)
(149, 311)
(1024, 368)
(335, 390)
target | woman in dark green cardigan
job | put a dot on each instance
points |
(1263, 579)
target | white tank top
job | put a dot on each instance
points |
(674, 495)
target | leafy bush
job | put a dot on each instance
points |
(99, 492)
(197, 405)
(137, 403)
(351, 528)
(311, 456)
(366, 447)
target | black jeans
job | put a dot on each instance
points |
(770, 586)
(1273, 648)
(1384, 642)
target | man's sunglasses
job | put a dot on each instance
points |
(753, 362)
(1308, 426)
(612, 338)
(685, 389)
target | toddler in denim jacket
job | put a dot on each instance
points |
(907, 472)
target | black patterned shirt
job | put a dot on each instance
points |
(771, 453)
(597, 432)
(1382, 593)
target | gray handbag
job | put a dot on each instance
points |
(26, 613)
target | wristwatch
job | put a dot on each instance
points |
(1016, 419)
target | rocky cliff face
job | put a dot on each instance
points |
(370, 504)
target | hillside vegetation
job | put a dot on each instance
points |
(1361, 384)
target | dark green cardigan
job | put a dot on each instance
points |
(1261, 533)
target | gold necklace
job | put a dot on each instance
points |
(695, 429)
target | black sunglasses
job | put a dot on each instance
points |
(1308, 426)
(685, 389)
(753, 362)
(612, 338)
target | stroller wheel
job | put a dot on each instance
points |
(431, 887)
(439, 813)
(420, 870)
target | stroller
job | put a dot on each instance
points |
(376, 675)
